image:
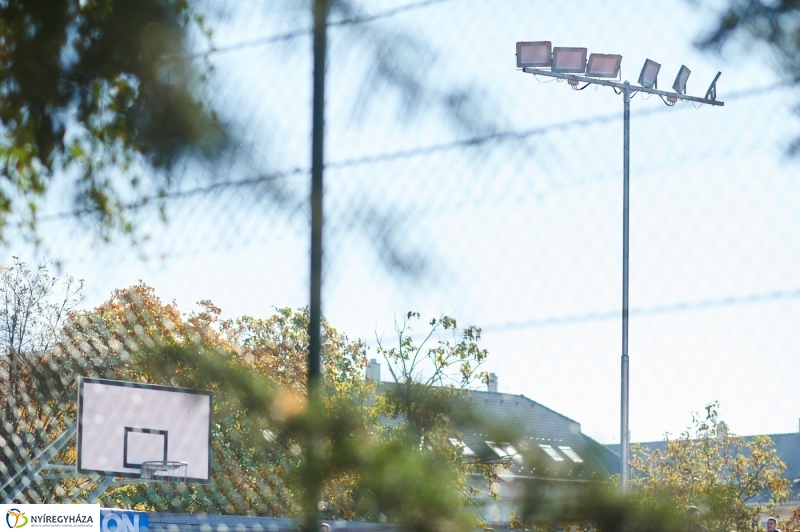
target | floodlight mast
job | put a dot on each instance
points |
(625, 433)
(627, 90)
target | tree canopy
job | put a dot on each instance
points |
(774, 23)
(729, 478)
(386, 457)
(97, 92)
(256, 368)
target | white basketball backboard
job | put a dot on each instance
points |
(123, 424)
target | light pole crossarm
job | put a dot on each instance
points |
(620, 86)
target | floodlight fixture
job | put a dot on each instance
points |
(603, 65)
(569, 60)
(649, 76)
(680, 80)
(711, 93)
(538, 54)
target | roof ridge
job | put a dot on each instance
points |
(527, 399)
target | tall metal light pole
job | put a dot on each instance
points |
(625, 433)
(564, 63)
(313, 467)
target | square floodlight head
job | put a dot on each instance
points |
(537, 54)
(680, 80)
(569, 60)
(649, 76)
(603, 65)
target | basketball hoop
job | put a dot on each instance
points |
(166, 470)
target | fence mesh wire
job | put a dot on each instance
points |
(454, 185)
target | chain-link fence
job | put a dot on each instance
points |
(455, 185)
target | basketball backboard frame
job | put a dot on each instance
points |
(135, 434)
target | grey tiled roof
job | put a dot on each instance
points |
(610, 459)
(788, 447)
(534, 425)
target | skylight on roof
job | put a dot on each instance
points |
(572, 455)
(552, 453)
(505, 450)
(465, 450)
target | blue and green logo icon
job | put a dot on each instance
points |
(16, 518)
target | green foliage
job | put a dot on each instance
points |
(793, 522)
(34, 305)
(712, 469)
(278, 346)
(257, 369)
(430, 380)
(97, 90)
(385, 457)
(413, 485)
(598, 507)
(428, 401)
(775, 23)
(433, 366)
(33, 308)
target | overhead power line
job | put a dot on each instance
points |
(543, 130)
(476, 141)
(684, 306)
(306, 32)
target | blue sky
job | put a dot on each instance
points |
(525, 230)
